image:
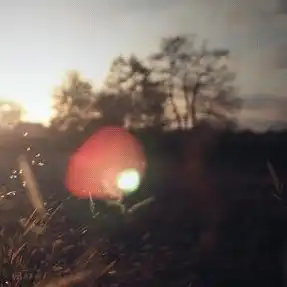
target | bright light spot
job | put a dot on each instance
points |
(128, 180)
(6, 108)
(37, 112)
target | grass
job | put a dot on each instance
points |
(140, 247)
(49, 251)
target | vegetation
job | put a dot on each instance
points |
(212, 215)
(174, 87)
(166, 234)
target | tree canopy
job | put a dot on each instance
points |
(176, 86)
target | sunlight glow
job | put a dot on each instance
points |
(128, 180)
(37, 112)
(33, 95)
(33, 92)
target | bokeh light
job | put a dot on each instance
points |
(109, 165)
(128, 180)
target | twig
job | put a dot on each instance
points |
(29, 218)
(52, 214)
(14, 255)
(141, 204)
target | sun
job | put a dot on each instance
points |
(34, 91)
(30, 110)
(37, 112)
(35, 100)
(128, 180)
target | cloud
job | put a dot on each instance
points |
(263, 111)
(282, 9)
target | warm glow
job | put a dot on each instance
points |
(37, 112)
(36, 52)
(128, 180)
(35, 95)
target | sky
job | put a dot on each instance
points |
(41, 40)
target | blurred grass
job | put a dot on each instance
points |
(68, 247)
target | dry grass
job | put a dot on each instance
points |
(51, 247)
(141, 250)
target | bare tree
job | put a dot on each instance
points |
(137, 93)
(131, 95)
(73, 103)
(199, 77)
(113, 108)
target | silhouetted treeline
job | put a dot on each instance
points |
(175, 86)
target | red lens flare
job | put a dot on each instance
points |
(94, 168)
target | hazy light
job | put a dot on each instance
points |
(128, 180)
(37, 112)
(6, 108)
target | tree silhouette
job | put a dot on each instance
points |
(113, 108)
(137, 93)
(131, 96)
(73, 102)
(197, 76)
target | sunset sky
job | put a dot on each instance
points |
(41, 40)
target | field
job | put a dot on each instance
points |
(215, 217)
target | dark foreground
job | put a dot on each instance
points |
(155, 245)
(224, 227)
